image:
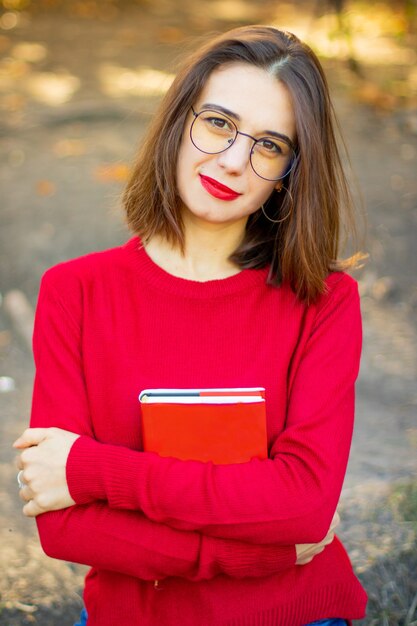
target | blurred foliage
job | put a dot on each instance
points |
(404, 501)
(391, 585)
(400, 15)
(390, 579)
(79, 8)
(371, 47)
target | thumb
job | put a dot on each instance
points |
(30, 437)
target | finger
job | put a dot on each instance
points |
(328, 539)
(19, 463)
(31, 437)
(335, 521)
(31, 509)
(25, 493)
(21, 442)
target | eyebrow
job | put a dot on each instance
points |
(270, 133)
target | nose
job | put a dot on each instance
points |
(236, 158)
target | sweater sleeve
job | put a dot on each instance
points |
(95, 534)
(128, 543)
(291, 496)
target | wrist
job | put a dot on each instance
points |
(82, 471)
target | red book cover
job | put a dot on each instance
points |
(218, 425)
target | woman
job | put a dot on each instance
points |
(231, 280)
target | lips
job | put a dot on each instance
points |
(218, 190)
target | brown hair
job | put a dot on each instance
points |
(301, 249)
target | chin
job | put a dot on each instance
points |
(210, 218)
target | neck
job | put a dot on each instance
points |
(206, 253)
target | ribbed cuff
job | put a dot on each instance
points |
(83, 476)
(240, 560)
(101, 471)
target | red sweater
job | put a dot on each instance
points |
(220, 538)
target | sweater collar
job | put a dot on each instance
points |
(164, 281)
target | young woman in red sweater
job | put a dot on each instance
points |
(231, 280)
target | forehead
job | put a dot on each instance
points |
(260, 100)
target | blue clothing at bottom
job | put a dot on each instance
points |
(83, 619)
(322, 622)
(329, 622)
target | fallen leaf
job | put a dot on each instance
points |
(45, 188)
(170, 34)
(116, 172)
(4, 43)
(372, 94)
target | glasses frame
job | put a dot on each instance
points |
(239, 132)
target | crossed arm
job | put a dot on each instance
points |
(43, 462)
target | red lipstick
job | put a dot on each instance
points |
(218, 190)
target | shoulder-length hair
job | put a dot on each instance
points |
(302, 247)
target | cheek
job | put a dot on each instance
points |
(188, 161)
(261, 191)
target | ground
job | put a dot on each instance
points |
(77, 87)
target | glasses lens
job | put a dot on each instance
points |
(272, 158)
(212, 132)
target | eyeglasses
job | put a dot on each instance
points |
(271, 158)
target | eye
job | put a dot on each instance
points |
(267, 145)
(219, 123)
(215, 122)
(272, 148)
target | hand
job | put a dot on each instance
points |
(307, 551)
(43, 461)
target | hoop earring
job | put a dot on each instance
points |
(289, 212)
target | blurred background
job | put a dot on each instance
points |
(79, 80)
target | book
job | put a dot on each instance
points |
(221, 425)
